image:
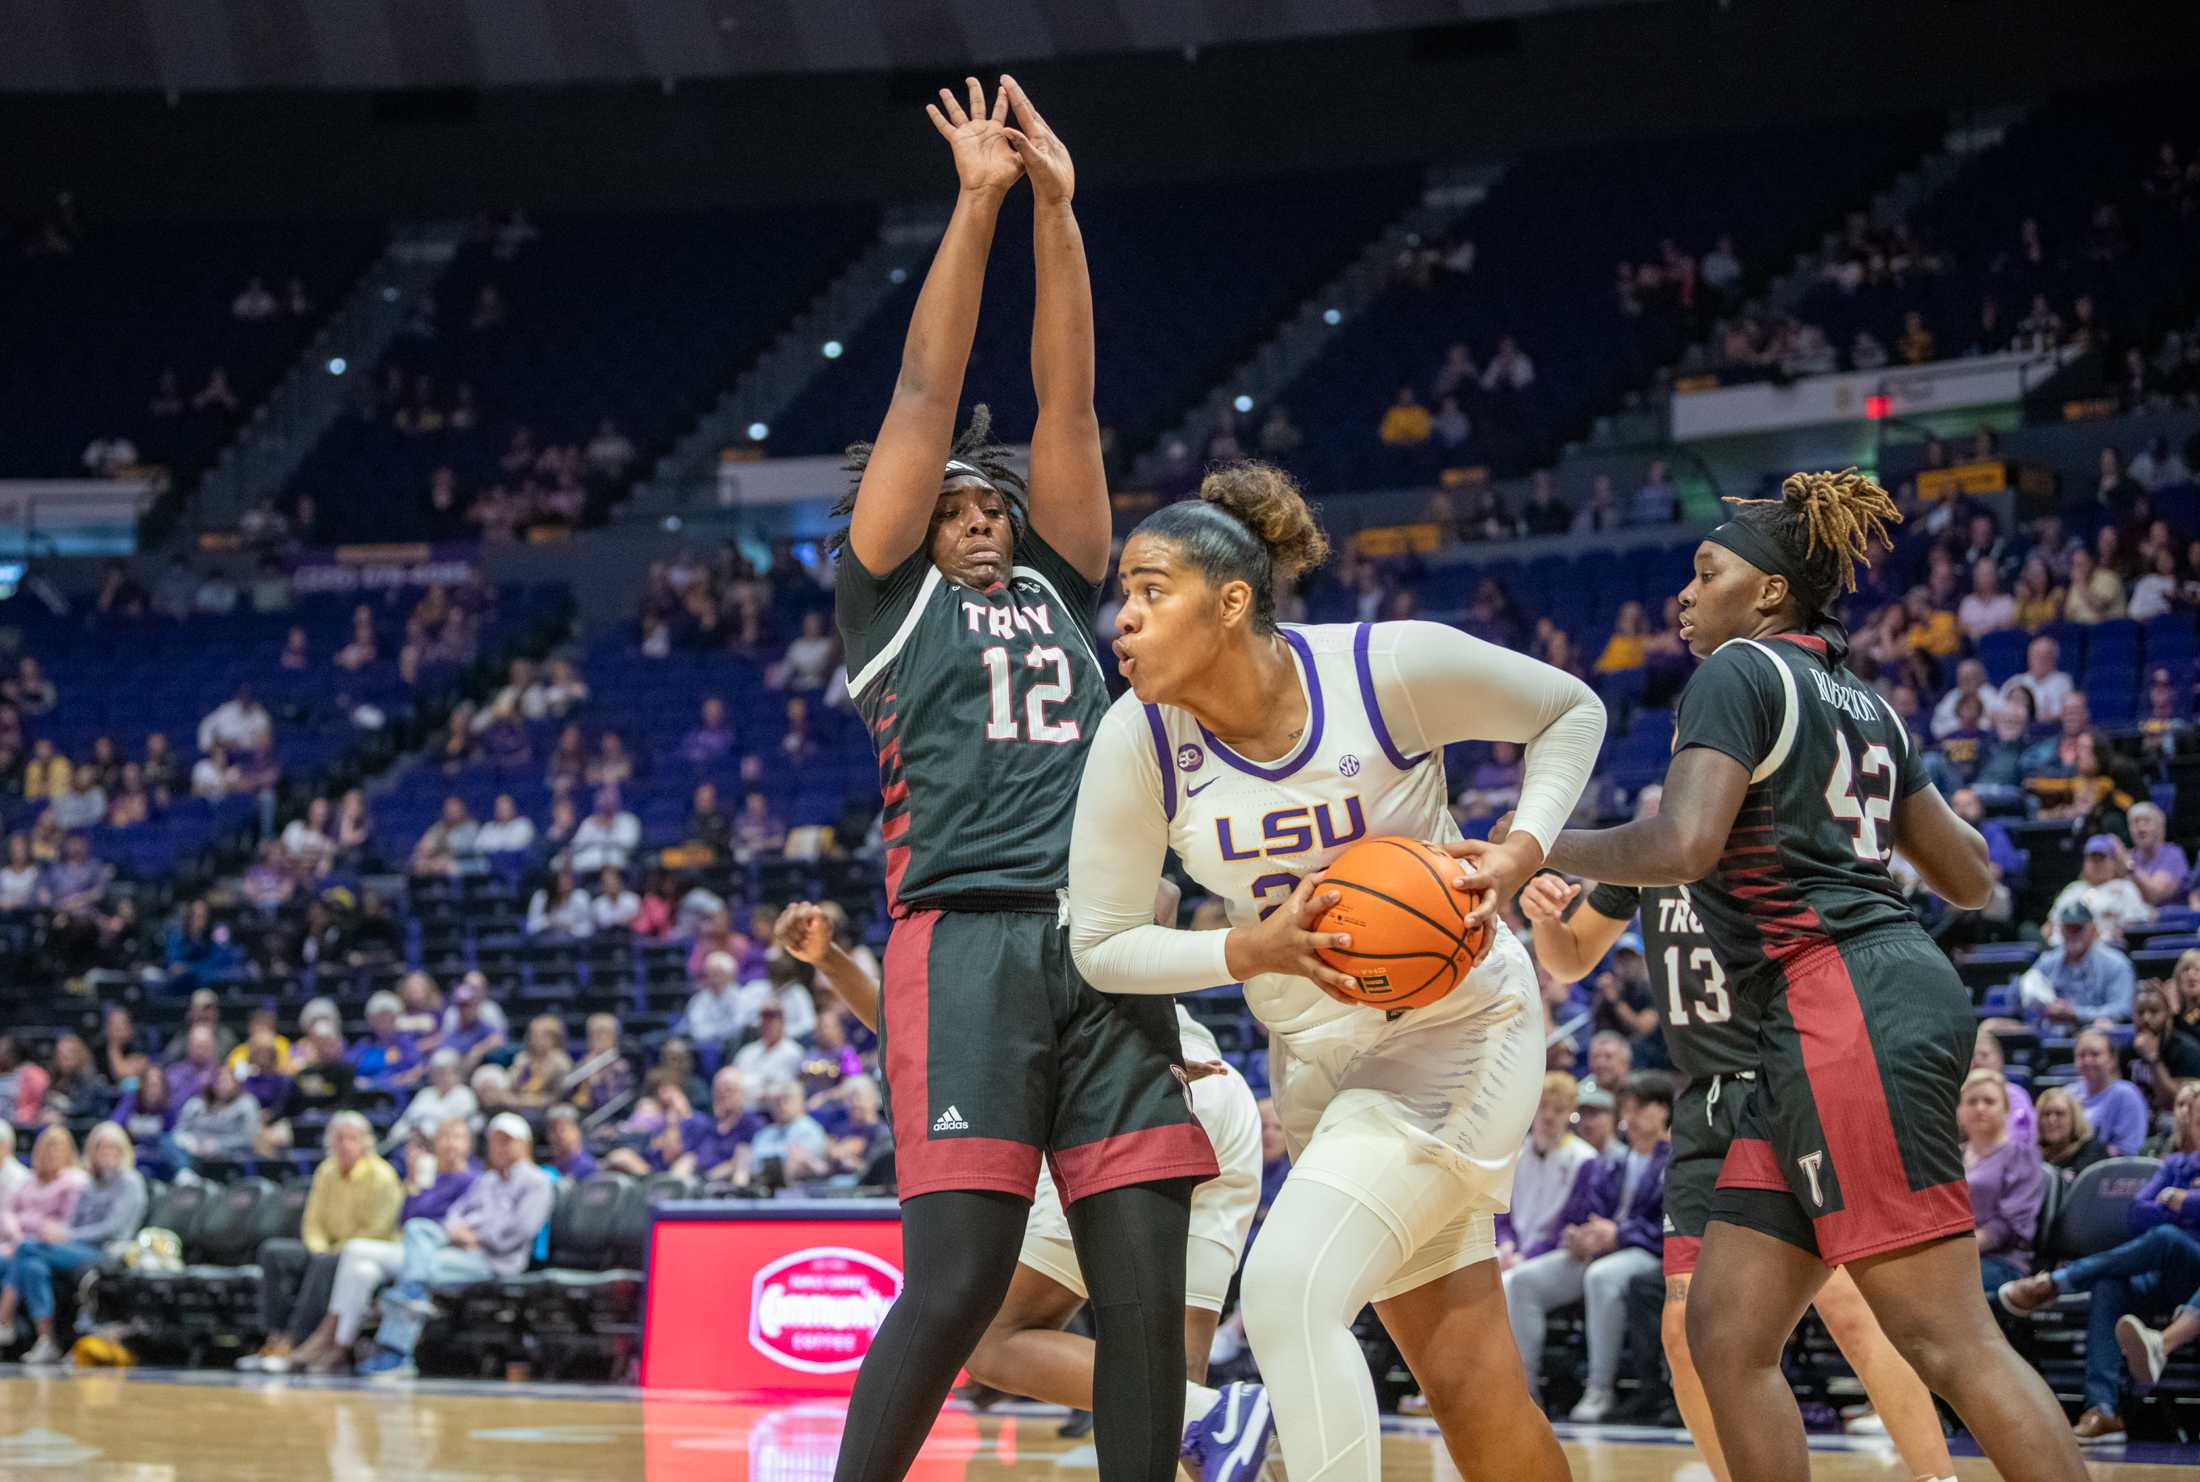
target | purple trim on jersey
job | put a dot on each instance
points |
(1313, 723)
(1162, 755)
(1366, 672)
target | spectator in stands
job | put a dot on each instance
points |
(2056, 758)
(1602, 512)
(2006, 1180)
(45, 1199)
(612, 1075)
(711, 741)
(355, 1196)
(20, 876)
(241, 724)
(487, 1234)
(322, 1079)
(611, 766)
(507, 835)
(811, 657)
(758, 829)
(82, 804)
(131, 803)
(1623, 651)
(451, 846)
(1544, 1180)
(1545, 513)
(2104, 887)
(2112, 1104)
(2080, 982)
(121, 1051)
(2183, 988)
(2001, 769)
(1450, 427)
(109, 1206)
(797, 746)
(607, 837)
(387, 1059)
(2156, 593)
(569, 1155)
(1656, 502)
(255, 302)
(14, 1173)
(614, 907)
(720, 1147)
(2096, 592)
(774, 1056)
(215, 776)
(308, 844)
(610, 453)
(1610, 1231)
(196, 1051)
(219, 1123)
(1611, 1060)
(2067, 1142)
(540, 1069)
(434, 1183)
(2158, 867)
(473, 1026)
(446, 1095)
(30, 691)
(2160, 1056)
(719, 1013)
(22, 1082)
(1407, 423)
(1596, 1121)
(793, 1148)
(2156, 1272)
(146, 1112)
(864, 1137)
(1970, 680)
(2043, 678)
(708, 827)
(74, 1089)
(1959, 756)
(561, 909)
(75, 885)
(1509, 369)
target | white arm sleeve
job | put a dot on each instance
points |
(1116, 851)
(1437, 685)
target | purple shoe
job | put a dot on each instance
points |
(1230, 1442)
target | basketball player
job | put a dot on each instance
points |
(1713, 1042)
(966, 607)
(1790, 788)
(1260, 752)
(1026, 1351)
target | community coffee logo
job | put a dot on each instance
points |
(816, 1310)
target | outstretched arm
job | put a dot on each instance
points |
(901, 483)
(1069, 490)
(1677, 846)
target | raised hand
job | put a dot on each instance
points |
(985, 160)
(1046, 158)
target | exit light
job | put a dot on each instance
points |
(1877, 406)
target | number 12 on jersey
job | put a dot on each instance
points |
(1000, 722)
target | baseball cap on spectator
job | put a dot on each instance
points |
(721, 962)
(2102, 844)
(2077, 913)
(512, 1124)
(1628, 942)
(1593, 1098)
(384, 1002)
(317, 1009)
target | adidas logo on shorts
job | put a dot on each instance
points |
(950, 1120)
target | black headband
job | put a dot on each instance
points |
(1769, 556)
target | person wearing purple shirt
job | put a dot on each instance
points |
(2158, 867)
(569, 1153)
(388, 1059)
(2007, 1182)
(468, 1029)
(188, 1076)
(1986, 1054)
(712, 740)
(1611, 1231)
(2112, 1104)
(716, 1140)
(2157, 1272)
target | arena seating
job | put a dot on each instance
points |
(85, 337)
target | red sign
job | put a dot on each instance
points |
(815, 1310)
(766, 1306)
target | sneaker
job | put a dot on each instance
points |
(2028, 1294)
(412, 1297)
(44, 1351)
(1230, 1442)
(2142, 1348)
(389, 1364)
(1866, 1424)
(1413, 1404)
(1077, 1427)
(1594, 1406)
(2096, 1426)
(274, 1363)
(251, 1363)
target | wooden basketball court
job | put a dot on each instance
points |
(208, 1427)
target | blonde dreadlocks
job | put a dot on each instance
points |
(1827, 522)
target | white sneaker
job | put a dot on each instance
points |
(2142, 1348)
(1413, 1404)
(274, 1363)
(1594, 1406)
(1866, 1424)
(44, 1351)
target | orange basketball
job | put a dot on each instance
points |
(1411, 943)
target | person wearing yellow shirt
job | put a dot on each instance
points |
(1932, 630)
(2096, 593)
(262, 1033)
(355, 1196)
(46, 774)
(1624, 649)
(1406, 424)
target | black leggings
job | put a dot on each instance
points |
(959, 1251)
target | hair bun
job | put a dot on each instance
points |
(1266, 500)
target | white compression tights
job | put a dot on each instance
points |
(1321, 1257)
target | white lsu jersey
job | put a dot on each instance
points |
(1250, 831)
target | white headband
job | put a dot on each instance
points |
(956, 468)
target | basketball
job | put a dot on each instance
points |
(1411, 943)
